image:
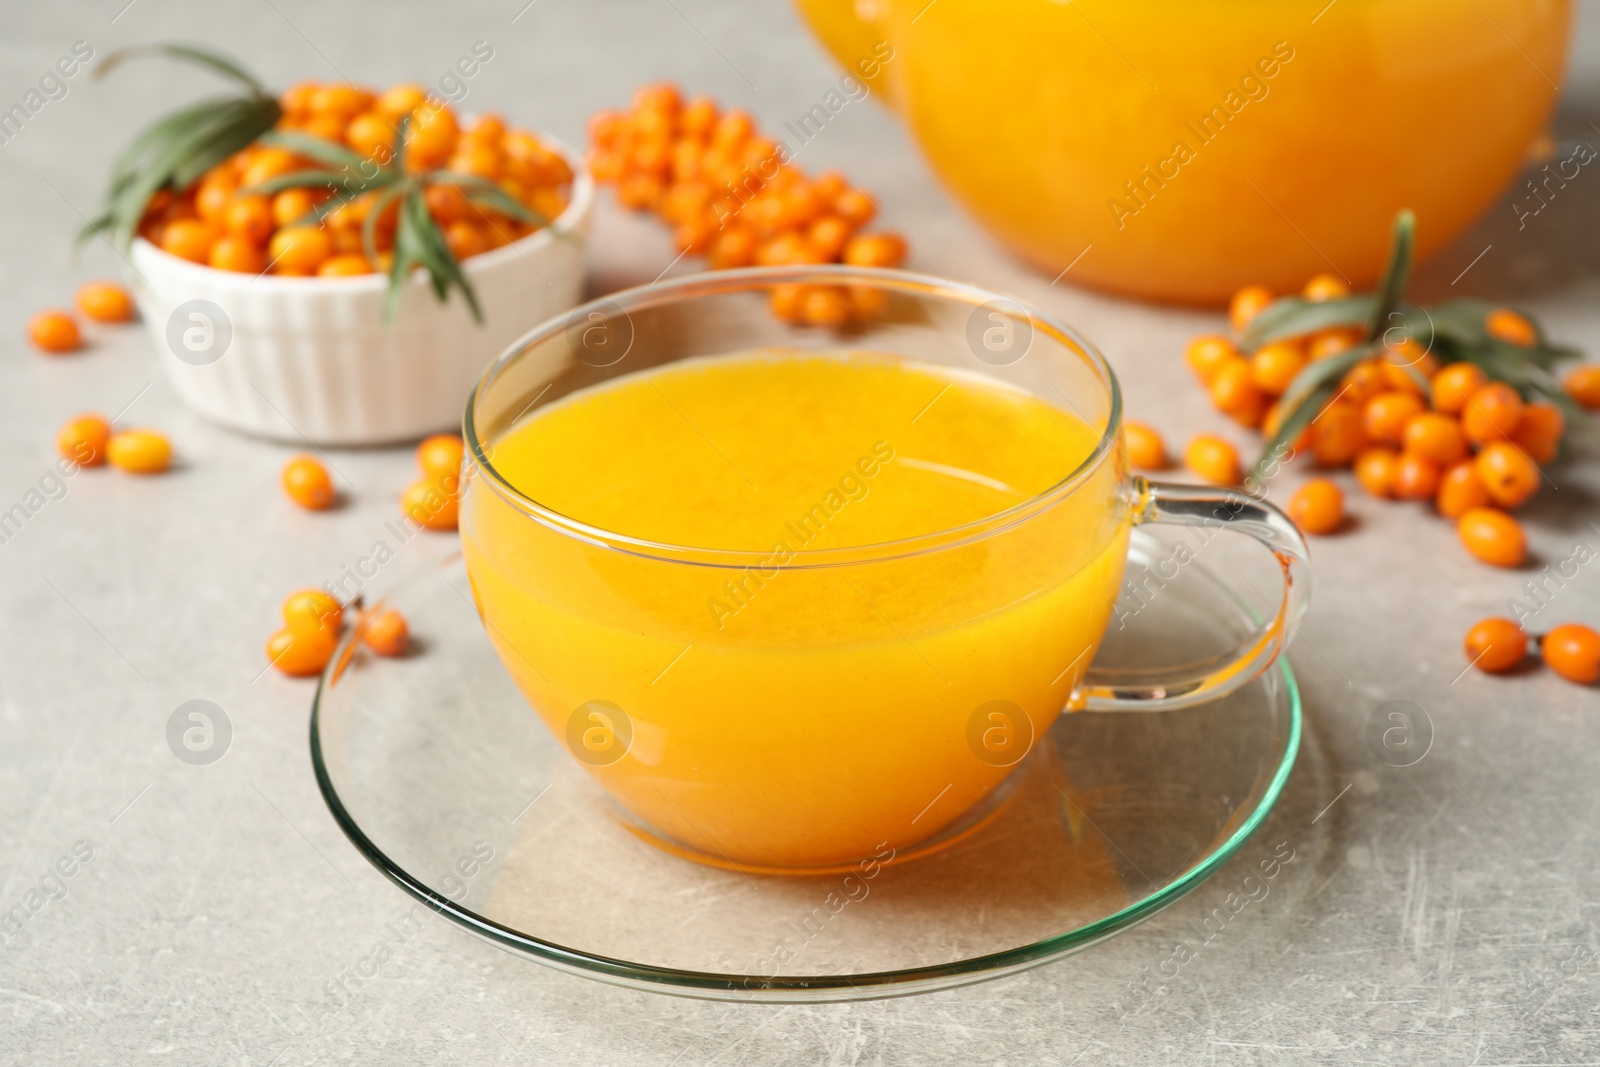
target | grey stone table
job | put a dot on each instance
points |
(1438, 913)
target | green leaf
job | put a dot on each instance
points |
(1294, 316)
(253, 119)
(369, 225)
(1292, 425)
(315, 178)
(1395, 275)
(488, 194)
(204, 57)
(1320, 371)
(334, 155)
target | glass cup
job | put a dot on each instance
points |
(845, 704)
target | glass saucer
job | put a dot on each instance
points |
(445, 780)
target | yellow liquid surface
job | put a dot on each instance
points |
(777, 714)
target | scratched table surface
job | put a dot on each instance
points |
(164, 912)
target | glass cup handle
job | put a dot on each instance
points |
(1167, 688)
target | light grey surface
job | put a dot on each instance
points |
(1438, 913)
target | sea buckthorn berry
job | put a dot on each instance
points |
(867, 301)
(446, 203)
(1460, 490)
(386, 633)
(139, 451)
(1213, 459)
(54, 332)
(400, 100)
(344, 265)
(312, 610)
(1437, 437)
(83, 440)
(829, 234)
(1491, 413)
(1493, 536)
(371, 135)
(1509, 476)
(187, 239)
(1208, 355)
(1317, 507)
(340, 99)
(1539, 431)
(296, 99)
(733, 247)
(299, 250)
(1332, 341)
(1246, 304)
(1336, 435)
(1375, 470)
(292, 206)
(215, 193)
(301, 655)
(236, 253)
(466, 239)
(429, 505)
(1144, 447)
(439, 457)
(1454, 384)
(1496, 645)
(875, 250)
(1415, 478)
(1506, 325)
(1233, 391)
(1583, 385)
(1325, 287)
(826, 305)
(856, 207)
(266, 164)
(1385, 416)
(105, 302)
(308, 484)
(1572, 650)
(788, 302)
(249, 217)
(1274, 366)
(1363, 382)
(325, 126)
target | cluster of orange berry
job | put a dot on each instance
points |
(733, 196)
(312, 618)
(89, 441)
(221, 221)
(1472, 446)
(312, 623)
(55, 331)
(1572, 650)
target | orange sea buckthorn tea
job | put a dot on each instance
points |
(789, 606)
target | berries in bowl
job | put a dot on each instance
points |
(336, 264)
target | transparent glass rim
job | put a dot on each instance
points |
(677, 981)
(710, 283)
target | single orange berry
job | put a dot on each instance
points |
(139, 451)
(344, 265)
(1336, 435)
(249, 217)
(1509, 476)
(1317, 507)
(1491, 413)
(466, 239)
(1539, 431)
(1213, 459)
(386, 633)
(216, 190)
(1437, 437)
(1234, 391)
(1460, 490)
(1415, 478)
(1207, 355)
(105, 302)
(1572, 650)
(875, 250)
(1493, 536)
(826, 305)
(301, 655)
(292, 206)
(83, 440)
(788, 301)
(1144, 447)
(439, 457)
(430, 505)
(1385, 416)
(1496, 645)
(1325, 287)
(1583, 385)
(236, 253)
(1363, 382)
(187, 239)
(1454, 384)
(1375, 470)
(1246, 304)
(54, 332)
(1274, 366)
(1508, 326)
(1332, 341)
(311, 610)
(308, 484)
(300, 249)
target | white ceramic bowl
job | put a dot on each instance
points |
(309, 360)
